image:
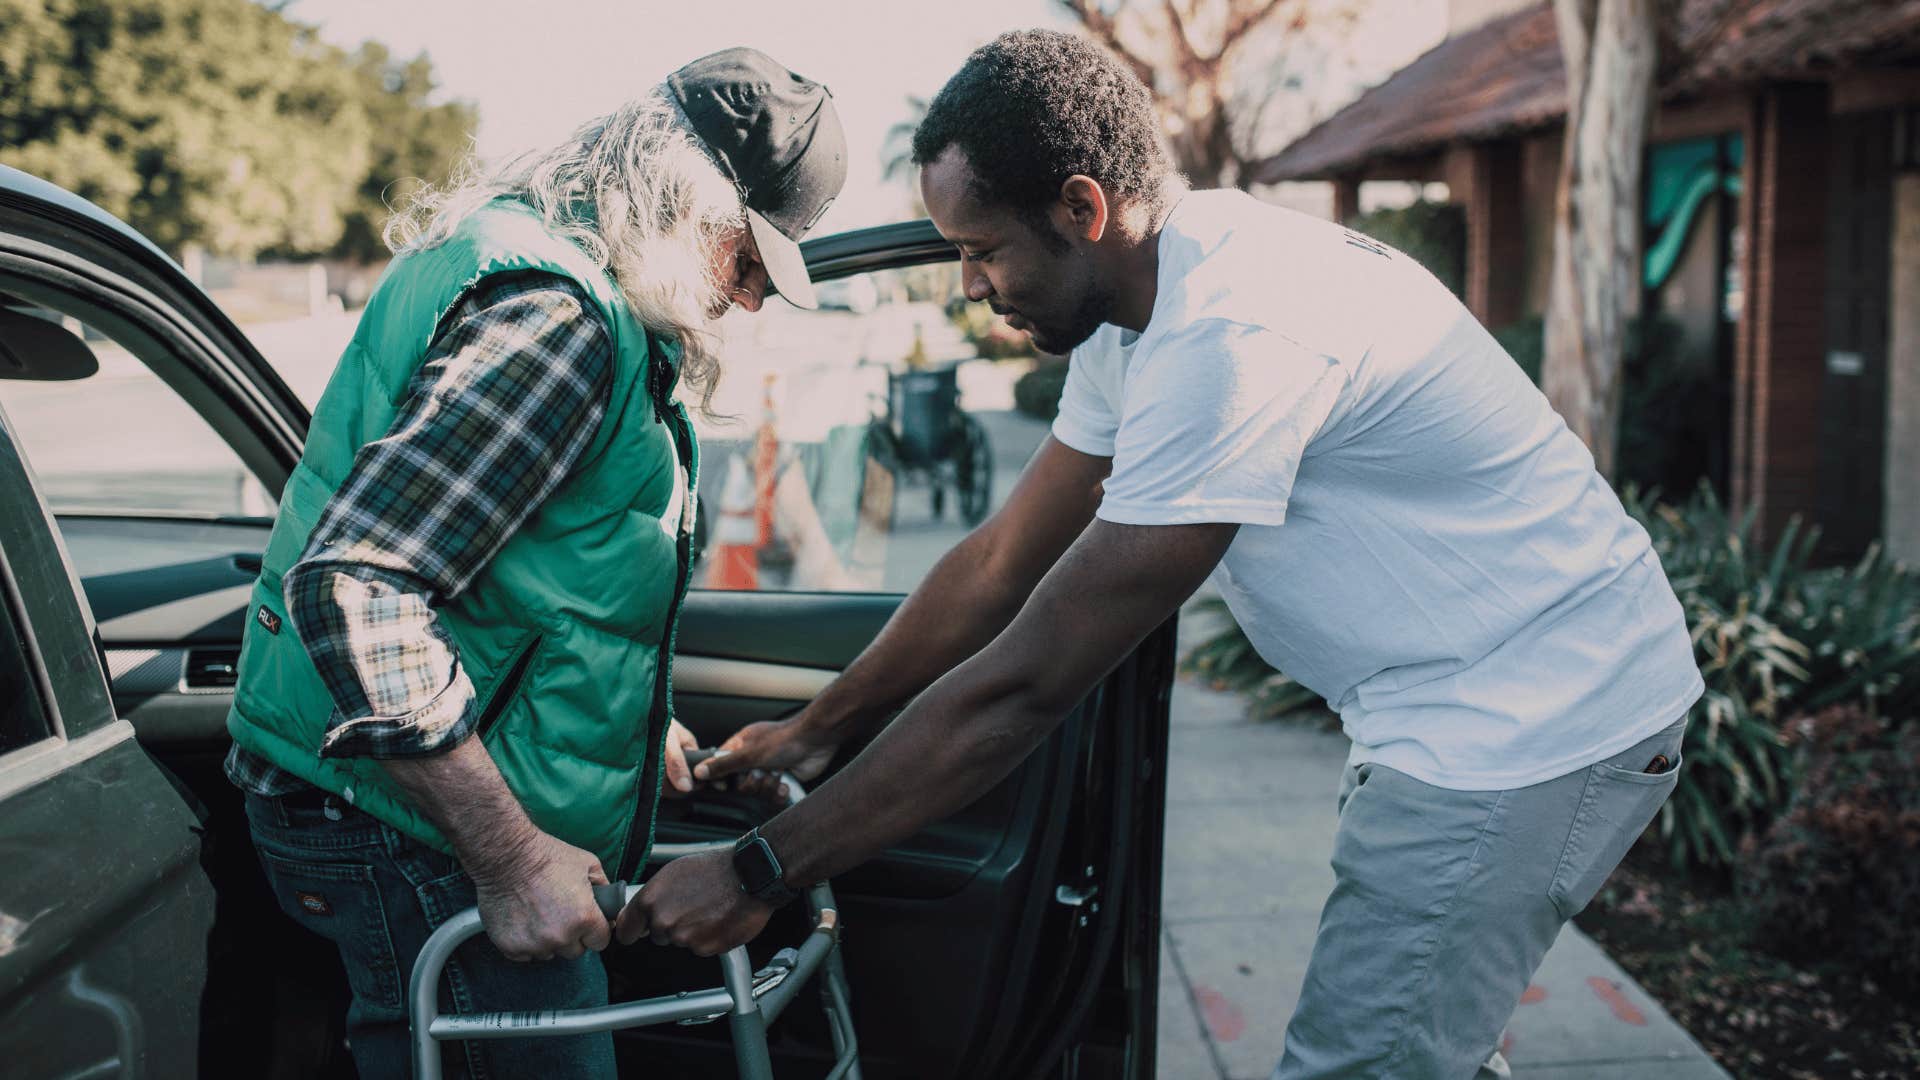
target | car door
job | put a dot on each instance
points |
(104, 911)
(1018, 937)
(161, 467)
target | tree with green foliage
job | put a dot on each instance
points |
(218, 123)
(414, 140)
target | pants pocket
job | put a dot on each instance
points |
(341, 902)
(1617, 804)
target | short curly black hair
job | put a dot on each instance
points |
(1034, 107)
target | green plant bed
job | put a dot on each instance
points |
(1692, 944)
(1774, 637)
(990, 335)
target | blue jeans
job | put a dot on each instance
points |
(377, 894)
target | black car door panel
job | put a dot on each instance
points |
(944, 930)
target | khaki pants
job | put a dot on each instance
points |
(1444, 904)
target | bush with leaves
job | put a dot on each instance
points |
(1432, 234)
(1666, 389)
(219, 123)
(1226, 660)
(1773, 636)
(1837, 877)
(989, 334)
(1734, 599)
(1037, 393)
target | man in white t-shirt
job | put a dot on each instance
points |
(1392, 511)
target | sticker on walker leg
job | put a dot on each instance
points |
(513, 1021)
(314, 904)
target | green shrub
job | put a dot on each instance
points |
(1732, 595)
(1773, 637)
(1837, 877)
(1432, 234)
(1526, 342)
(1037, 393)
(1664, 393)
(1226, 660)
(989, 334)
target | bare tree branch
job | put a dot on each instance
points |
(1105, 29)
(1188, 57)
(1193, 80)
(1241, 20)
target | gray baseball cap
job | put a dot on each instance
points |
(776, 135)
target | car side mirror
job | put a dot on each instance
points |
(40, 350)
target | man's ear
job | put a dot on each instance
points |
(1081, 211)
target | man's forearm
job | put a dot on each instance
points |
(957, 740)
(462, 792)
(973, 726)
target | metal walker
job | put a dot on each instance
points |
(749, 1000)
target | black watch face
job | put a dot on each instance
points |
(755, 864)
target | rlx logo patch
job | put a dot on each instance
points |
(268, 620)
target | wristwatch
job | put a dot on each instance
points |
(759, 870)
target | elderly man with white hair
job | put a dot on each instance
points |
(453, 686)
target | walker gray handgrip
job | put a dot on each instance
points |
(611, 898)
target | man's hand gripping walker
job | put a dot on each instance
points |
(749, 1000)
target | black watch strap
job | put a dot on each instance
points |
(759, 870)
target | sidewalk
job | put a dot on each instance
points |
(1250, 821)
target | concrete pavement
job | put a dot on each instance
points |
(1250, 823)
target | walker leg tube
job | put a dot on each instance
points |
(749, 1025)
(839, 1008)
(423, 992)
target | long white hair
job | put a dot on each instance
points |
(639, 194)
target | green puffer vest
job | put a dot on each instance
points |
(567, 634)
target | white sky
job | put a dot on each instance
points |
(536, 70)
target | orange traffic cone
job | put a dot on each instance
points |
(734, 560)
(766, 459)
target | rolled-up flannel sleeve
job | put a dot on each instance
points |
(510, 394)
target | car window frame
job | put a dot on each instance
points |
(265, 435)
(56, 622)
(13, 608)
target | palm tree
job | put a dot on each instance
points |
(896, 150)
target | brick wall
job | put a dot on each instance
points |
(1496, 233)
(1902, 522)
(1781, 345)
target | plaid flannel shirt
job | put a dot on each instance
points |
(513, 388)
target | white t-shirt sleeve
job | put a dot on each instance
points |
(1088, 418)
(1216, 422)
